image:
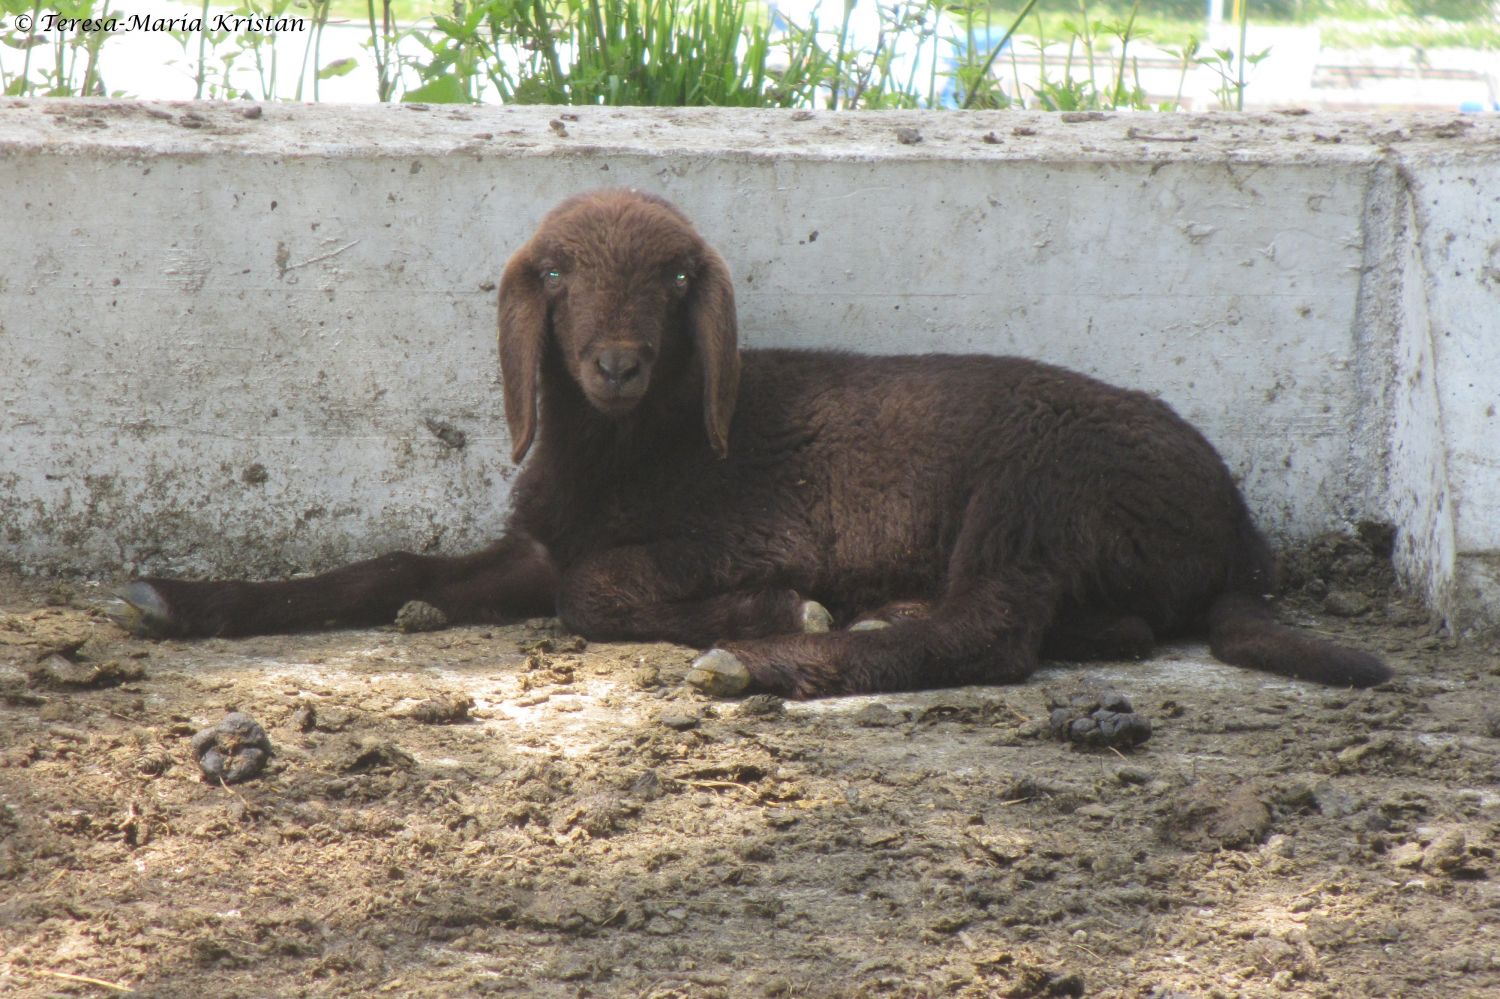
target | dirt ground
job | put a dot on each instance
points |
(509, 811)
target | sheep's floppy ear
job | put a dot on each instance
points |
(523, 330)
(716, 335)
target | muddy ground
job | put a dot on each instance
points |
(588, 827)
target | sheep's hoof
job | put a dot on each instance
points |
(719, 673)
(869, 624)
(140, 610)
(815, 618)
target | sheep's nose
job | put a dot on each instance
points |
(619, 367)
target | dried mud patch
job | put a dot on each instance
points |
(511, 811)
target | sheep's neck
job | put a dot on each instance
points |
(591, 448)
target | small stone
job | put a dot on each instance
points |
(304, 719)
(679, 721)
(416, 615)
(334, 719)
(1446, 853)
(877, 715)
(441, 710)
(762, 706)
(908, 136)
(1133, 775)
(1406, 855)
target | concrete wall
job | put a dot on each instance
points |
(229, 343)
(1456, 209)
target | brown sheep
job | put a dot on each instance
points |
(829, 523)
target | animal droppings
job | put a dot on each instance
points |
(234, 750)
(1098, 720)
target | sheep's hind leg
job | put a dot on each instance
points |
(667, 592)
(748, 613)
(513, 578)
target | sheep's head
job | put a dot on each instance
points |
(618, 281)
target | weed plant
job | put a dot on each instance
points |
(656, 52)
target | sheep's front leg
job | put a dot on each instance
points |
(671, 593)
(988, 633)
(901, 657)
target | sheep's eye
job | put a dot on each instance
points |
(680, 279)
(552, 275)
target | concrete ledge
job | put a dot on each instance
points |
(239, 342)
